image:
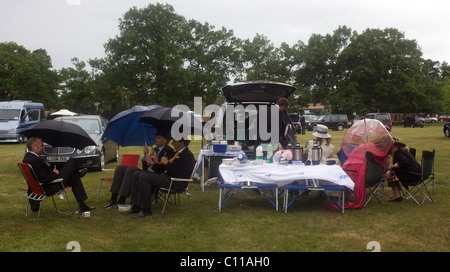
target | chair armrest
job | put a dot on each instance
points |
(180, 179)
(108, 170)
(54, 181)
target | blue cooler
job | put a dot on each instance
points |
(219, 146)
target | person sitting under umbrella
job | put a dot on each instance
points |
(123, 175)
(143, 186)
(47, 172)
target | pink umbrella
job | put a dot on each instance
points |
(371, 134)
(365, 135)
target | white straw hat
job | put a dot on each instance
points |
(321, 132)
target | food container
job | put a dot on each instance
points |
(228, 161)
(123, 207)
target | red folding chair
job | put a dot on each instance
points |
(176, 192)
(37, 192)
(125, 159)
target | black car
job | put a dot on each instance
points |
(383, 117)
(93, 157)
(246, 99)
(447, 129)
(332, 121)
(414, 121)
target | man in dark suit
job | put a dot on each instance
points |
(47, 172)
(179, 166)
(123, 175)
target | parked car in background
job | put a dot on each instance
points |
(413, 121)
(444, 118)
(295, 118)
(429, 119)
(92, 157)
(17, 115)
(332, 121)
(383, 117)
(447, 129)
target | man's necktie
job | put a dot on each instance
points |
(174, 157)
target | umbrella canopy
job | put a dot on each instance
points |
(365, 135)
(64, 112)
(163, 118)
(368, 134)
(126, 130)
(60, 133)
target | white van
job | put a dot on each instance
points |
(17, 115)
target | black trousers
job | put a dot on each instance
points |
(123, 177)
(145, 185)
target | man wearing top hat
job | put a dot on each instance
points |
(123, 175)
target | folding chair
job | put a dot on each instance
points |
(424, 184)
(125, 159)
(373, 178)
(37, 192)
(341, 156)
(176, 192)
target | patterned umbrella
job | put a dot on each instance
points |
(365, 135)
(368, 135)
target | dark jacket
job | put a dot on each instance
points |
(407, 166)
(182, 166)
(43, 172)
(160, 168)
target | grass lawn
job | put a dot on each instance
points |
(247, 223)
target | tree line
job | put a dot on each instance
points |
(159, 57)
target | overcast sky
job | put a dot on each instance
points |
(80, 28)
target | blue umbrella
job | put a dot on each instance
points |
(126, 130)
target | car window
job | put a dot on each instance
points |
(342, 118)
(383, 117)
(91, 126)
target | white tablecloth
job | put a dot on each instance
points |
(285, 174)
(210, 153)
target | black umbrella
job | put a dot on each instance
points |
(60, 133)
(163, 118)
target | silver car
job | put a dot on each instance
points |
(92, 157)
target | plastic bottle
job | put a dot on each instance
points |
(259, 153)
(269, 153)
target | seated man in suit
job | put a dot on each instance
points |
(179, 166)
(123, 174)
(47, 172)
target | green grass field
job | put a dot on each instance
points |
(247, 223)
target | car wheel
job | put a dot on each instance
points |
(447, 133)
(340, 127)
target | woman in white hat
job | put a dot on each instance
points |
(323, 140)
